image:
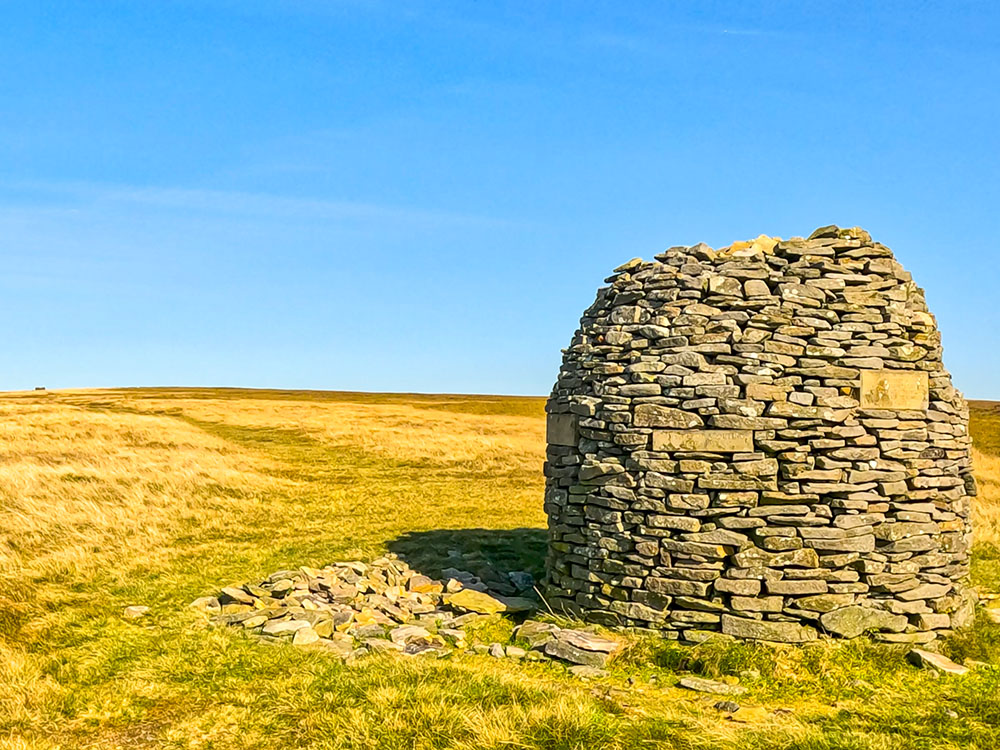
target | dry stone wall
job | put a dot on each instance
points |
(763, 441)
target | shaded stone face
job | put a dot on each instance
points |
(761, 441)
(560, 429)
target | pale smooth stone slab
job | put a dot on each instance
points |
(704, 441)
(888, 389)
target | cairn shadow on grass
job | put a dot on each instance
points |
(503, 550)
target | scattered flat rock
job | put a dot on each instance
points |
(380, 645)
(422, 647)
(561, 649)
(207, 604)
(537, 634)
(588, 641)
(305, 636)
(135, 612)
(369, 631)
(469, 600)
(237, 594)
(930, 660)
(455, 635)
(278, 627)
(406, 633)
(702, 685)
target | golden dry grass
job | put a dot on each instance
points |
(81, 484)
(79, 488)
(434, 430)
(986, 507)
(112, 498)
(985, 428)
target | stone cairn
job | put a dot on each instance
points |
(760, 440)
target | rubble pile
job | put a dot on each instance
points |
(351, 609)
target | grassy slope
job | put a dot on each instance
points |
(111, 498)
(985, 428)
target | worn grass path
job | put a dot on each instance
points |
(112, 498)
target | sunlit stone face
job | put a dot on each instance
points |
(885, 389)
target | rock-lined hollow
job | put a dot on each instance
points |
(761, 441)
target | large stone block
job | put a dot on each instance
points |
(850, 622)
(703, 441)
(654, 415)
(765, 630)
(560, 429)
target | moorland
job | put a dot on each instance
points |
(112, 498)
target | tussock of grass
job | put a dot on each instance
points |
(980, 642)
(112, 498)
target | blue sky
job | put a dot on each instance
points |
(423, 196)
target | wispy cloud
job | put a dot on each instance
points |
(623, 42)
(647, 44)
(226, 203)
(748, 32)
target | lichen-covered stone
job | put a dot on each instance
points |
(469, 600)
(850, 622)
(767, 630)
(760, 440)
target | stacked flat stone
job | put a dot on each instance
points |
(763, 441)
